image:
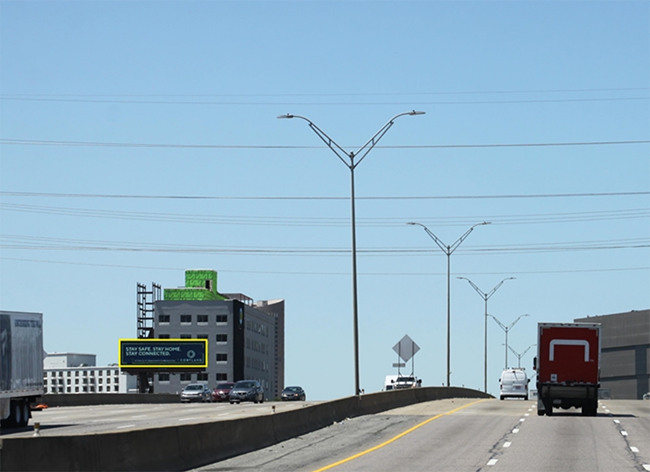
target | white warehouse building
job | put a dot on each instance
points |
(77, 373)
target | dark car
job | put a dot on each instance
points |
(247, 391)
(293, 393)
(196, 393)
(221, 392)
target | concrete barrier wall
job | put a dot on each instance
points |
(189, 446)
(83, 399)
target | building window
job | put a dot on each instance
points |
(76, 389)
(186, 336)
(101, 389)
(163, 377)
(186, 377)
(163, 336)
(186, 319)
(68, 389)
(162, 319)
(222, 357)
(202, 319)
(202, 336)
(222, 319)
(222, 376)
(222, 338)
(116, 388)
(202, 377)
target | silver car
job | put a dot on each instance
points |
(196, 393)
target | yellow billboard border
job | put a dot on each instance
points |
(164, 366)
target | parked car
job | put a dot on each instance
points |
(196, 393)
(293, 393)
(247, 391)
(221, 392)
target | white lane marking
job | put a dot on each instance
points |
(606, 410)
(527, 414)
(530, 409)
(126, 426)
(494, 461)
(522, 419)
(515, 430)
(187, 419)
(624, 433)
(634, 449)
(617, 421)
(507, 444)
(139, 416)
(223, 414)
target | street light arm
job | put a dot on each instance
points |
(454, 246)
(366, 148)
(333, 145)
(519, 356)
(432, 236)
(525, 351)
(503, 327)
(515, 322)
(484, 295)
(491, 292)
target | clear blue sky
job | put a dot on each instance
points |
(113, 114)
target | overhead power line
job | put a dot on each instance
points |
(422, 197)
(296, 103)
(239, 220)
(317, 273)
(34, 142)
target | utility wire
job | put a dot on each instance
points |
(389, 274)
(33, 142)
(543, 218)
(429, 197)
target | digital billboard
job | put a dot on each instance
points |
(163, 353)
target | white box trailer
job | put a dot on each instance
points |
(21, 365)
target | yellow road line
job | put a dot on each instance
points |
(368, 451)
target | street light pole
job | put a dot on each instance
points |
(349, 161)
(519, 356)
(448, 250)
(486, 297)
(506, 329)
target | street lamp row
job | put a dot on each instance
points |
(448, 250)
(486, 297)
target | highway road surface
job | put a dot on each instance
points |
(467, 435)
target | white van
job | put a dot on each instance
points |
(514, 383)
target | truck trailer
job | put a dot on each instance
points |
(21, 366)
(568, 367)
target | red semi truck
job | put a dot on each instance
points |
(568, 367)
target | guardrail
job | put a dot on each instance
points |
(185, 447)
